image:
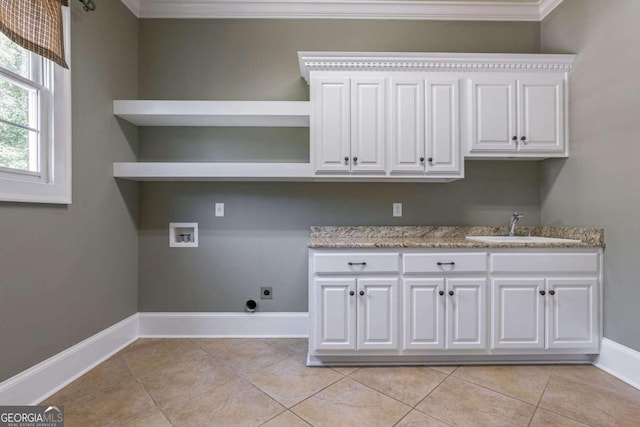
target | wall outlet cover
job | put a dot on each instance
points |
(397, 209)
(219, 209)
(266, 292)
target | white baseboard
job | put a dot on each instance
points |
(620, 361)
(218, 325)
(42, 380)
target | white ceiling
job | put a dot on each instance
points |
(471, 10)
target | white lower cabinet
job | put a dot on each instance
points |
(444, 313)
(356, 314)
(540, 312)
(473, 304)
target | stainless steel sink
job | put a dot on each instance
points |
(520, 239)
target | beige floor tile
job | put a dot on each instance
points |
(592, 404)
(589, 374)
(236, 404)
(186, 380)
(120, 407)
(522, 382)
(109, 376)
(349, 403)
(291, 381)
(544, 418)
(148, 357)
(292, 345)
(418, 419)
(461, 403)
(446, 369)
(408, 384)
(286, 419)
(247, 356)
(157, 420)
(345, 370)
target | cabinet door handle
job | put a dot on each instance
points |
(451, 293)
(352, 293)
(542, 293)
(430, 159)
(524, 139)
(346, 159)
(361, 293)
(421, 159)
(355, 159)
(441, 293)
(514, 138)
(357, 263)
(446, 263)
(552, 293)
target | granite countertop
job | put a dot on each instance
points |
(447, 237)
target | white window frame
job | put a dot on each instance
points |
(52, 184)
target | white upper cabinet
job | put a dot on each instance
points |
(517, 115)
(368, 124)
(541, 119)
(348, 124)
(406, 138)
(330, 128)
(443, 148)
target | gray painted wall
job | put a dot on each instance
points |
(600, 183)
(68, 272)
(262, 240)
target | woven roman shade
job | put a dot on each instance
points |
(35, 25)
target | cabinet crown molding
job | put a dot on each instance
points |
(418, 61)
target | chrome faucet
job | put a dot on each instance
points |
(513, 221)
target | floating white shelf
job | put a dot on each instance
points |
(188, 171)
(214, 113)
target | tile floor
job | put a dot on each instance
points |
(264, 382)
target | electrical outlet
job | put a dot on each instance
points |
(397, 209)
(219, 209)
(266, 292)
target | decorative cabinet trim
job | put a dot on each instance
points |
(416, 61)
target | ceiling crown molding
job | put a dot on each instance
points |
(346, 9)
(410, 61)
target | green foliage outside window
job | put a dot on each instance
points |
(14, 107)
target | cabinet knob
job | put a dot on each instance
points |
(361, 293)
(441, 293)
(552, 292)
(542, 293)
(430, 159)
(451, 293)
(514, 138)
(524, 139)
(421, 159)
(346, 158)
(355, 159)
(352, 293)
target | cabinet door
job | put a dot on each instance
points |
(423, 313)
(572, 313)
(541, 114)
(331, 124)
(466, 313)
(377, 314)
(406, 137)
(368, 125)
(518, 313)
(443, 125)
(335, 322)
(493, 113)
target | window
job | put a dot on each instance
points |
(35, 126)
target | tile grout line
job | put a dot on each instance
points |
(554, 412)
(496, 391)
(540, 399)
(429, 394)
